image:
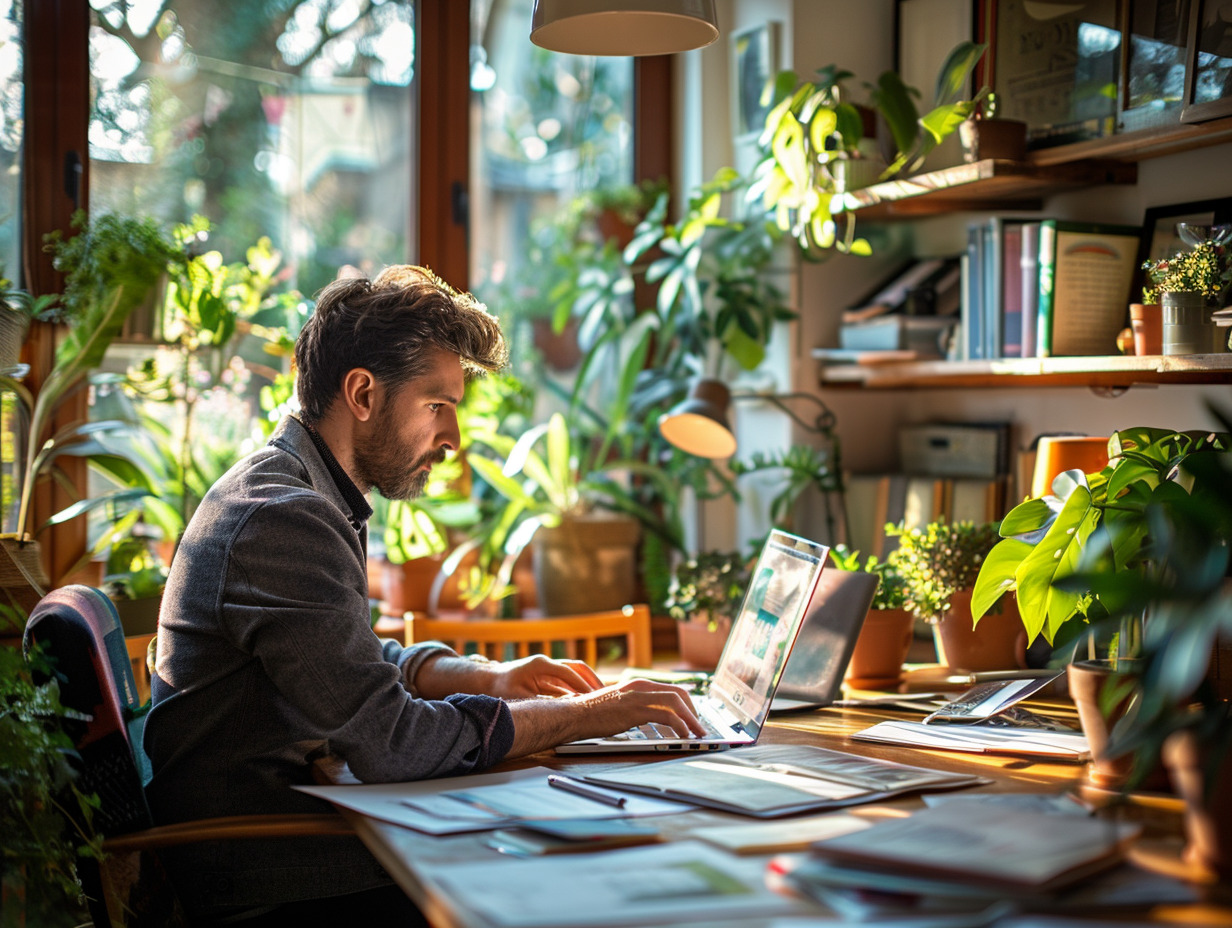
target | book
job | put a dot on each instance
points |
(894, 331)
(992, 275)
(1086, 271)
(894, 294)
(989, 846)
(973, 299)
(1029, 279)
(770, 780)
(1011, 290)
(981, 739)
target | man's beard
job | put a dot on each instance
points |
(380, 462)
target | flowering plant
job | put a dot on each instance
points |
(939, 560)
(1202, 269)
(713, 582)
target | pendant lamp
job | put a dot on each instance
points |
(623, 27)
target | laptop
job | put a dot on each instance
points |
(738, 701)
(814, 673)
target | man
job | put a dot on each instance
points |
(266, 658)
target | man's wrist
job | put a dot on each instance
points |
(449, 673)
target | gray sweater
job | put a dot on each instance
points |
(266, 659)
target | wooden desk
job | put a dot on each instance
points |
(404, 852)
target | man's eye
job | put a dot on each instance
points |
(435, 407)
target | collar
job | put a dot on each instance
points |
(360, 508)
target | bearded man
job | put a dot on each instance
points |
(266, 658)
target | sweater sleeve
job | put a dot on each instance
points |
(297, 603)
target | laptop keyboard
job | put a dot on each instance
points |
(653, 732)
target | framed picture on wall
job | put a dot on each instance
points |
(754, 62)
(1208, 67)
(1159, 235)
(1054, 66)
(1156, 52)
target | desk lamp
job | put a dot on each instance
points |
(698, 425)
(623, 27)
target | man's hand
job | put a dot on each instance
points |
(538, 675)
(540, 724)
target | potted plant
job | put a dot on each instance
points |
(39, 800)
(985, 135)
(939, 564)
(17, 309)
(704, 595)
(110, 266)
(1188, 286)
(885, 637)
(1079, 557)
(812, 129)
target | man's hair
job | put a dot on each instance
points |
(386, 325)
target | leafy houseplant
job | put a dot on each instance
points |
(1091, 525)
(885, 637)
(703, 597)
(812, 128)
(110, 266)
(41, 848)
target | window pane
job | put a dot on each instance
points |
(12, 127)
(291, 120)
(550, 127)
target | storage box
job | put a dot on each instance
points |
(923, 334)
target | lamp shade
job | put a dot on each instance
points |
(698, 424)
(623, 27)
(1059, 453)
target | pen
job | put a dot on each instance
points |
(581, 789)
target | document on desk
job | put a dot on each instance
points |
(486, 801)
(770, 780)
(652, 884)
(981, 739)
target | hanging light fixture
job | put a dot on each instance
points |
(623, 27)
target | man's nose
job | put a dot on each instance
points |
(450, 435)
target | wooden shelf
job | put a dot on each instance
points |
(985, 185)
(1101, 372)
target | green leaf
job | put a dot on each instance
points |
(1039, 604)
(997, 575)
(958, 65)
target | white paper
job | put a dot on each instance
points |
(526, 789)
(980, 739)
(652, 884)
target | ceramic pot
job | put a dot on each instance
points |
(407, 587)
(877, 661)
(998, 643)
(586, 564)
(1187, 326)
(1208, 812)
(999, 139)
(700, 645)
(1147, 323)
(1087, 680)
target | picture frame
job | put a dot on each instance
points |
(1208, 65)
(1159, 238)
(1047, 71)
(1154, 63)
(754, 63)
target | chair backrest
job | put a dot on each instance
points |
(78, 628)
(578, 635)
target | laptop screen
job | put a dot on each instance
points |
(778, 596)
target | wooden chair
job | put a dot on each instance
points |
(78, 628)
(579, 635)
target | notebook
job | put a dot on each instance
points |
(783, 584)
(814, 673)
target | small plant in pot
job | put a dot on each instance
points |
(1189, 286)
(703, 596)
(885, 637)
(939, 564)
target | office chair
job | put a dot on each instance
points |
(78, 628)
(578, 635)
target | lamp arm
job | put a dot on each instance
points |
(824, 422)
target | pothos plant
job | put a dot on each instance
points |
(813, 126)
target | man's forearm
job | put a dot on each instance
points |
(444, 675)
(541, 724)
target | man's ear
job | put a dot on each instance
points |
(361, 393)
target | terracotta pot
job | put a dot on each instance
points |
(1147, 322)
(559, 349)
(1208, 812)
(407, 587)
(1087, 680)
(998, 643)
(700, 645)
(877, 661)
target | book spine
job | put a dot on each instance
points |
(992, 246)
(1030, 286)
(973, 308)
(1047, 272)
(1011, 291)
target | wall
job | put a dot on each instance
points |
(859, 37)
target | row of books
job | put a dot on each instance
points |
(1038, 289)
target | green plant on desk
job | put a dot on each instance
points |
(939, 560)
(891, 584)
(711, 584)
